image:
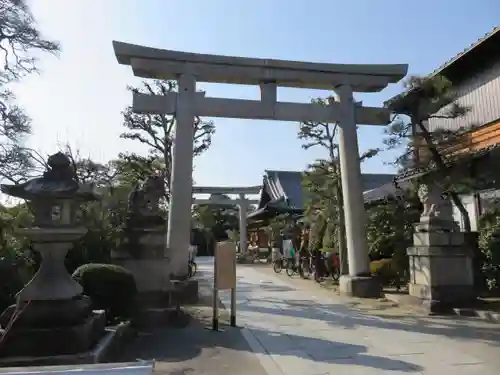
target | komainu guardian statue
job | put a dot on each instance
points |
(437, 211)
(144, 203)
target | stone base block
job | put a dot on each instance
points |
(441, 273)
(443, 298)
(53, 313)
(57, 340)
(153, 299)
(151, 319)
(188, 293)
(360, 286)
(151, 275)
(107, 349)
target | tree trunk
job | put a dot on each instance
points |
(443, 170)
(343, 258)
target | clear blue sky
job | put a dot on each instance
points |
(78, 97)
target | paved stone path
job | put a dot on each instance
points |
(293, 330)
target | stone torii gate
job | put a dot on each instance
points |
(188, 68)
(242, 202)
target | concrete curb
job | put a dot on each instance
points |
(489, 316)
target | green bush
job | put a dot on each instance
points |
(489, 244)
(317, 233)
(387, 270)
(10, 282)
(110, 287)
(16, 263)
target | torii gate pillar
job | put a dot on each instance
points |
(269, 74)
(243, 210)
(179, 213)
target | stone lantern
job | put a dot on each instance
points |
(57, 319)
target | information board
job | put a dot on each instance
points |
(225, 265)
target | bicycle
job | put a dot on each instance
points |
(278, 265)
(291, 268)
(332, 271)
(298, 268)
(305, 267)
(192, 268)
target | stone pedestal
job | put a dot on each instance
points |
(52, 328)
(441, 269)
(148, 261)
(152, 267)
(360, 286)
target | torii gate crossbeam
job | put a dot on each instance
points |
(269, 74)
(242, 202)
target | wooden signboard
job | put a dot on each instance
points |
(225, 265)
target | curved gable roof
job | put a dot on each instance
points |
(287, 186)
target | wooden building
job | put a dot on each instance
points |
(474, 151)
(282, 192)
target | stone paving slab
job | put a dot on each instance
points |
(196, 350)
(299, 330)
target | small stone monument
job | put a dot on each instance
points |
(441, 273)
(144, 253)
(51, 316)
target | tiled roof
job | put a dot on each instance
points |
(417, 172)
(449, 63)
(465, 51)
(374, 180)
(287, 185)
(390, 189)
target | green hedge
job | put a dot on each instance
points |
(110, 287)
(387, 270)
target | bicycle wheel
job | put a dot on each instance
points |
(278, 266)
(336, 273)
(290, 270)
(317, 277)
(194, 268)
(305, 271)
(190, 270)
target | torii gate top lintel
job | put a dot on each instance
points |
(226, 190)
(187, 102)
(148, 62)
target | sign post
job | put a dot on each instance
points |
(224, 278)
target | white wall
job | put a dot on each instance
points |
(471, 207)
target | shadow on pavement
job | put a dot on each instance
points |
(326, 351)
(195, 348)
(341, 315)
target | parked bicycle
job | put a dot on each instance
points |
(305, 267)
(279, 264)
(292, 267)
(192, 268)
(301, 267)
(329, 266)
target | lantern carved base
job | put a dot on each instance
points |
(51, 317)
(52, 328)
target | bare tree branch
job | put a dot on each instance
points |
(157, 131)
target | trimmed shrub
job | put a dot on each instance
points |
(110, 287)
(386, 269)
(489, 244)
(10, 283)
